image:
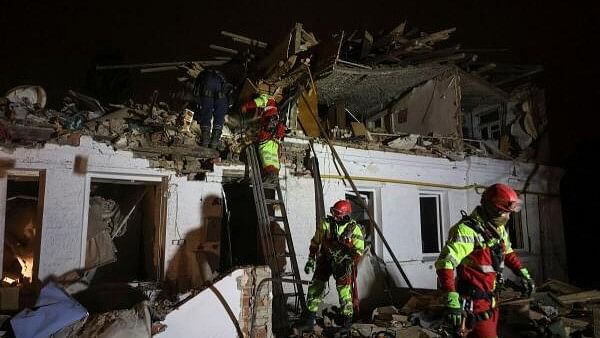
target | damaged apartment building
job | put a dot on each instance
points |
(95, 194)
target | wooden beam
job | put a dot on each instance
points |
(223, 49)
(244, 39)
(340, 114)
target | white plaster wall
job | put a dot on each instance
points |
(64, 217)
(398, 179)
(205, 315)
(190, 206)
(395, 178)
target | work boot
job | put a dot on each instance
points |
(345, 330)
(205, 136)
(215, 139)
(307, 322)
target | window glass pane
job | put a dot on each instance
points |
(429, 224)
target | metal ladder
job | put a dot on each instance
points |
(282, 261)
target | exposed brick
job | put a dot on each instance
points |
(260, 332)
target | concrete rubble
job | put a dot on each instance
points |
(409, 60)
(304, 74)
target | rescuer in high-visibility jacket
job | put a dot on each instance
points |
(271, 132)
(477, 249)
(337, 245)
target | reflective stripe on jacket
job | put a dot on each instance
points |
(261, 100)
(323, 234)
(268, 151)
(469, 253)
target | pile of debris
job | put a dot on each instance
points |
(402, 90)
(557, 309)
(153, 131)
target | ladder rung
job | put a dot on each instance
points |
(285, 254)
(287, 274)
(277, 218)
(270, 186)
(290, 294)
(269, 201)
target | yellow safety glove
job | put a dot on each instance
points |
(309, 267)
(453, 309)
(527, 282)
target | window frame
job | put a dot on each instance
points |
(441, 236)
(373, 207)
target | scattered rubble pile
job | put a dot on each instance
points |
(153, 131)
(402, 90)
(557, 309)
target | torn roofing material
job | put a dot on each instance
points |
(368, 91)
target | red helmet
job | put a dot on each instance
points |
(502, 197)
(341, 208)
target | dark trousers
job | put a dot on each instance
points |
(212, 108)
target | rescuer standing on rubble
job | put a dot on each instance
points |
(477, 249)
(336, 246)
(271, 132)
(212, 92)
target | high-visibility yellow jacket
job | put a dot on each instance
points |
(472, 256)
(330, 234)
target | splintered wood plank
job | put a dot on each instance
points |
(579, 297)
(340, 114)
(305, 113)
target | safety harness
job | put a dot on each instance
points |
(346, 235)
(271, 126)
(497, 253)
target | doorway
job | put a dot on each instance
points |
(126, 230)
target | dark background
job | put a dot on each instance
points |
(56, 44)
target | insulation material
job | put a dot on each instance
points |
(367, 92)
(433, 108)
(100, 250)
(104, 215)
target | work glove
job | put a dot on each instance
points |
(527, 282)
(453, 309)
(310, 266)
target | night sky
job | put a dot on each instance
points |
(55, 44)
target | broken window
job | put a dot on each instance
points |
(431, 224)
(489, 125)
(362, 216)
(124, 230)
(20, 255)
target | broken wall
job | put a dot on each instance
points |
(192, 206)
(432, 108)
(396, 180)
(225, 308)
